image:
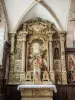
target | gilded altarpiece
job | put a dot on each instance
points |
(37, 54)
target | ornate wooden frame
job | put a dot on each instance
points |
(69, 52)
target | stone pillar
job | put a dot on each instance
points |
(22, 72)
(63, 64)
(12, 60)
(12, 41)
(51, 54)
(51, 59)
(23, 54)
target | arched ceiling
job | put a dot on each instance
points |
(35, 12)
(55, 11)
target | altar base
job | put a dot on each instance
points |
(37, 92)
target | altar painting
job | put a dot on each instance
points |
(71, 66)
(37, 54)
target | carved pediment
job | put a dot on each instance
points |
(37, 26)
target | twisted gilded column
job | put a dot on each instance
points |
(63, 63)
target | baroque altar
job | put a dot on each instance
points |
(37, 54)
(37, 59)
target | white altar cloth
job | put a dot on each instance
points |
(52, 87)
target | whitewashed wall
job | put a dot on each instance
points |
(2, 31)
(35, 12)
(1, 44)
(71, 26)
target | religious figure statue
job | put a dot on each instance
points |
(71, 67)
(28, 76)
(45, 75)
(56, 53)
(70, 64)
(74, 76)
(37, 76)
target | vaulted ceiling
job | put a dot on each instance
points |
(55, 11)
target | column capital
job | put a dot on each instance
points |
(50, 33)
(23, 33)
(62, 39)
(62, 36)
(63, 33)
(12, 35)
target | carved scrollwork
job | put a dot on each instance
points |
(35, 92)
(18, 50)
(64, 78)
(37, 27)
(58, 77)
(17, 66)
(12, 63)
(57, 65)
(11, 77)
(17, 77)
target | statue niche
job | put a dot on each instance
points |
(56, 53)
(56, 57)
